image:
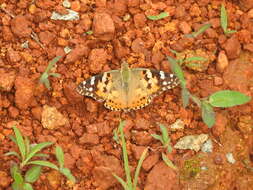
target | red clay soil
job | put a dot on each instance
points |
(83, 127)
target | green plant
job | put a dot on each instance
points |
(224, 98)
(25, 157)
(89, 32)
(129, 184)
(44, 77)
(200, 31)
(224, 21)
(158, 17)
(163, 138)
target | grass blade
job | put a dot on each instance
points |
(20, 142)
(68, 174)
(165, 135)
(185, 97)
(51, 63)
(228, 98)
(223, 18)
(33, 174)
(43, 163)
(121, 181)
(137, 171)
(13, 139)
(35, 149)
(125, 156)
(158, 17)
(157, 137)
(168, 162)
(200, 31)
(60, 156)
(13, 153)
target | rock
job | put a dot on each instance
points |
(13, 111)
(250, 13)
(24, 92)
(238, 75)
(103, 26)
(161, 177)
(21, 26)
(142, 137)
(77, 53)
(150, 161)
(5, 179)
(70, 93)
(97, 59)
(37, 112)
(246, 4)
(137, 151)
(140, 20)
(217, 81)
(248, 47)
(51, 118)
(230, 158)
(185, 27)
(91, 139)
(69, 161)
(207, 146)
(103, 172)
(46, 37)
(178, 125)
(192, 142)
(245, 124)
(222, 62)
(138, 46)
(233, 48)
(220, 124)
(13, 56)
(7, 80)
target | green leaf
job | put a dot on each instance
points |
(27, 186)
(27, 145)
(90, 32)
(228, 98)
(60, 156)
(13, 153)
(43, 163)
(41, 155)
(14, 168)
(68, 174)
(35, 149)
(18, 177)
(230, 31)
(137, 171)
(165, 135)
(196, 100)
(158, 17)
(121, 181)
(13, 139)
(177, 71)
(20, 142)
(223, 18)
(158, 137)
(44, 77)
(116, 135)
(16, 186)
(52, 63)
(168, 162)
(185, 97)
(195, 59)
(57, 75)
(200, 31)
(33, 174)
(207, 113)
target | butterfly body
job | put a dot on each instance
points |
(128, 88)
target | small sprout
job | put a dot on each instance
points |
(164, 138)
(44, 77)
(129, 184)
(200, 31)
(168, 162)
(158, 17)
(224, 21)
(116, 135)
(89, 32)
(208, 114)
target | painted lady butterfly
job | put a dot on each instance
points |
(128, 88)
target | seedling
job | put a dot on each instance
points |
(200, 31)
(224, 21)
(168, 162)
(25, 157)
(223, 99)
(163, 138)
(158, 17)
(89, 32)
(129, 184)
(44, 77)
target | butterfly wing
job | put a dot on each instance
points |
(146, 84)
(105, 87)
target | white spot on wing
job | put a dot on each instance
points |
(149, 74)
(165, 83)
(162, 75)
(84, 82)
(92, 81)
(171, 75)
(90, 89)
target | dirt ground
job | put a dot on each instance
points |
(29, 39)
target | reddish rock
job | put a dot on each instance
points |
(97, 59)
(133, 3)
(7, 34)
(21, 26)
(24, 92)
(103, 26)
(6, 80)
(141, 123)
(14, 112)
(75, 151)
(140, 20)
(250, 13)
(46, 37)
(185, 27)
(246, 4)
(76, 6)
(137, 151)
(120, 7)
(5, 180)
(103, 173)
(248, 47)
(222, 62)
(91, 139)
(77, 53)
(13, 56)
(91, 105)
(119, 50)
(69, 161)
(238, 75)
(138, 45)
(161, 177)
(36, 112)
(70, 93)
(142, 137)
(218, 81)
(150, 161)
(220, 124)
(85, 23)
(157, 57)
(54, 179)
(233, 48)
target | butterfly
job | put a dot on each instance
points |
(128, 88)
